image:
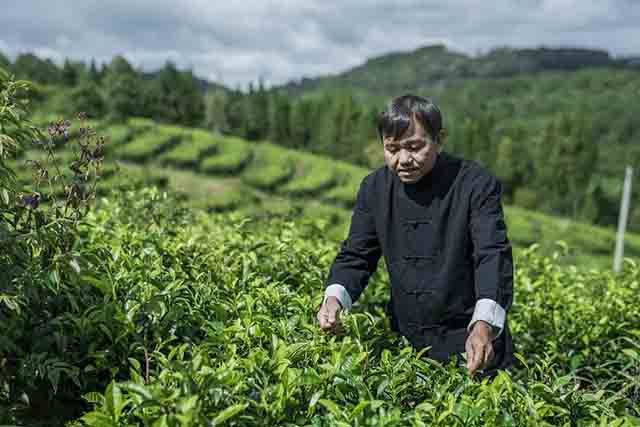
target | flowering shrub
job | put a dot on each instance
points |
(39, 264)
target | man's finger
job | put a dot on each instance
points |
(488, 355)
(331, 317)
(478, 357)
(323, 319)
(470, 353)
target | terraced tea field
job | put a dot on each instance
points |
(220, 173)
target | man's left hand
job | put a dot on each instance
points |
(479, 346)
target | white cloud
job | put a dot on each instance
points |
(238, 41)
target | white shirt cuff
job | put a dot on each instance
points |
(491, 312)
(340, 292)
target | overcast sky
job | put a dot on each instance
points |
(233, 42)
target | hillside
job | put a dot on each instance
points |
(221, 174)
(436, 66)
(557, 125)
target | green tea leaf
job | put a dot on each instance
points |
(228, 413)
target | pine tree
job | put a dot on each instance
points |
(175, 97)
(505, 164)
(235, 112)
(300, 123)
(279, 120)
(69, 73)
(86, 98)
(123, 89)
(94, 75)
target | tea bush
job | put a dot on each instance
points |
(270, 167)
(188, 319)
(232, 156)
(226, 331)
(149, 144)
(117, 135)
(344, 193)
(313, 176)
(197, 145)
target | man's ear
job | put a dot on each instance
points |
(442, 138)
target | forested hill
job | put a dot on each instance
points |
(557, 126)
(436, 65)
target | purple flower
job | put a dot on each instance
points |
(30, 201)
(59, 128)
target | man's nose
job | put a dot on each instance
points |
(405, 158)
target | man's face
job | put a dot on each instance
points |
(412, 156)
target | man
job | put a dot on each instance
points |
(439, 223)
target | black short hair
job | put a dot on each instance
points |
(397, 118)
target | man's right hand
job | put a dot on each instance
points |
(329, 315)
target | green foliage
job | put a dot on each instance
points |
(209, 318)
(118, 90)
(122, 90)
(28, 66)
(232, 156)
(86, 98)
(174, 96)
(158, 315)
(256, 115)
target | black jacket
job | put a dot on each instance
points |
(445, 244)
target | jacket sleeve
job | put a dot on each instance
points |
(359, 254)
(492, 252)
